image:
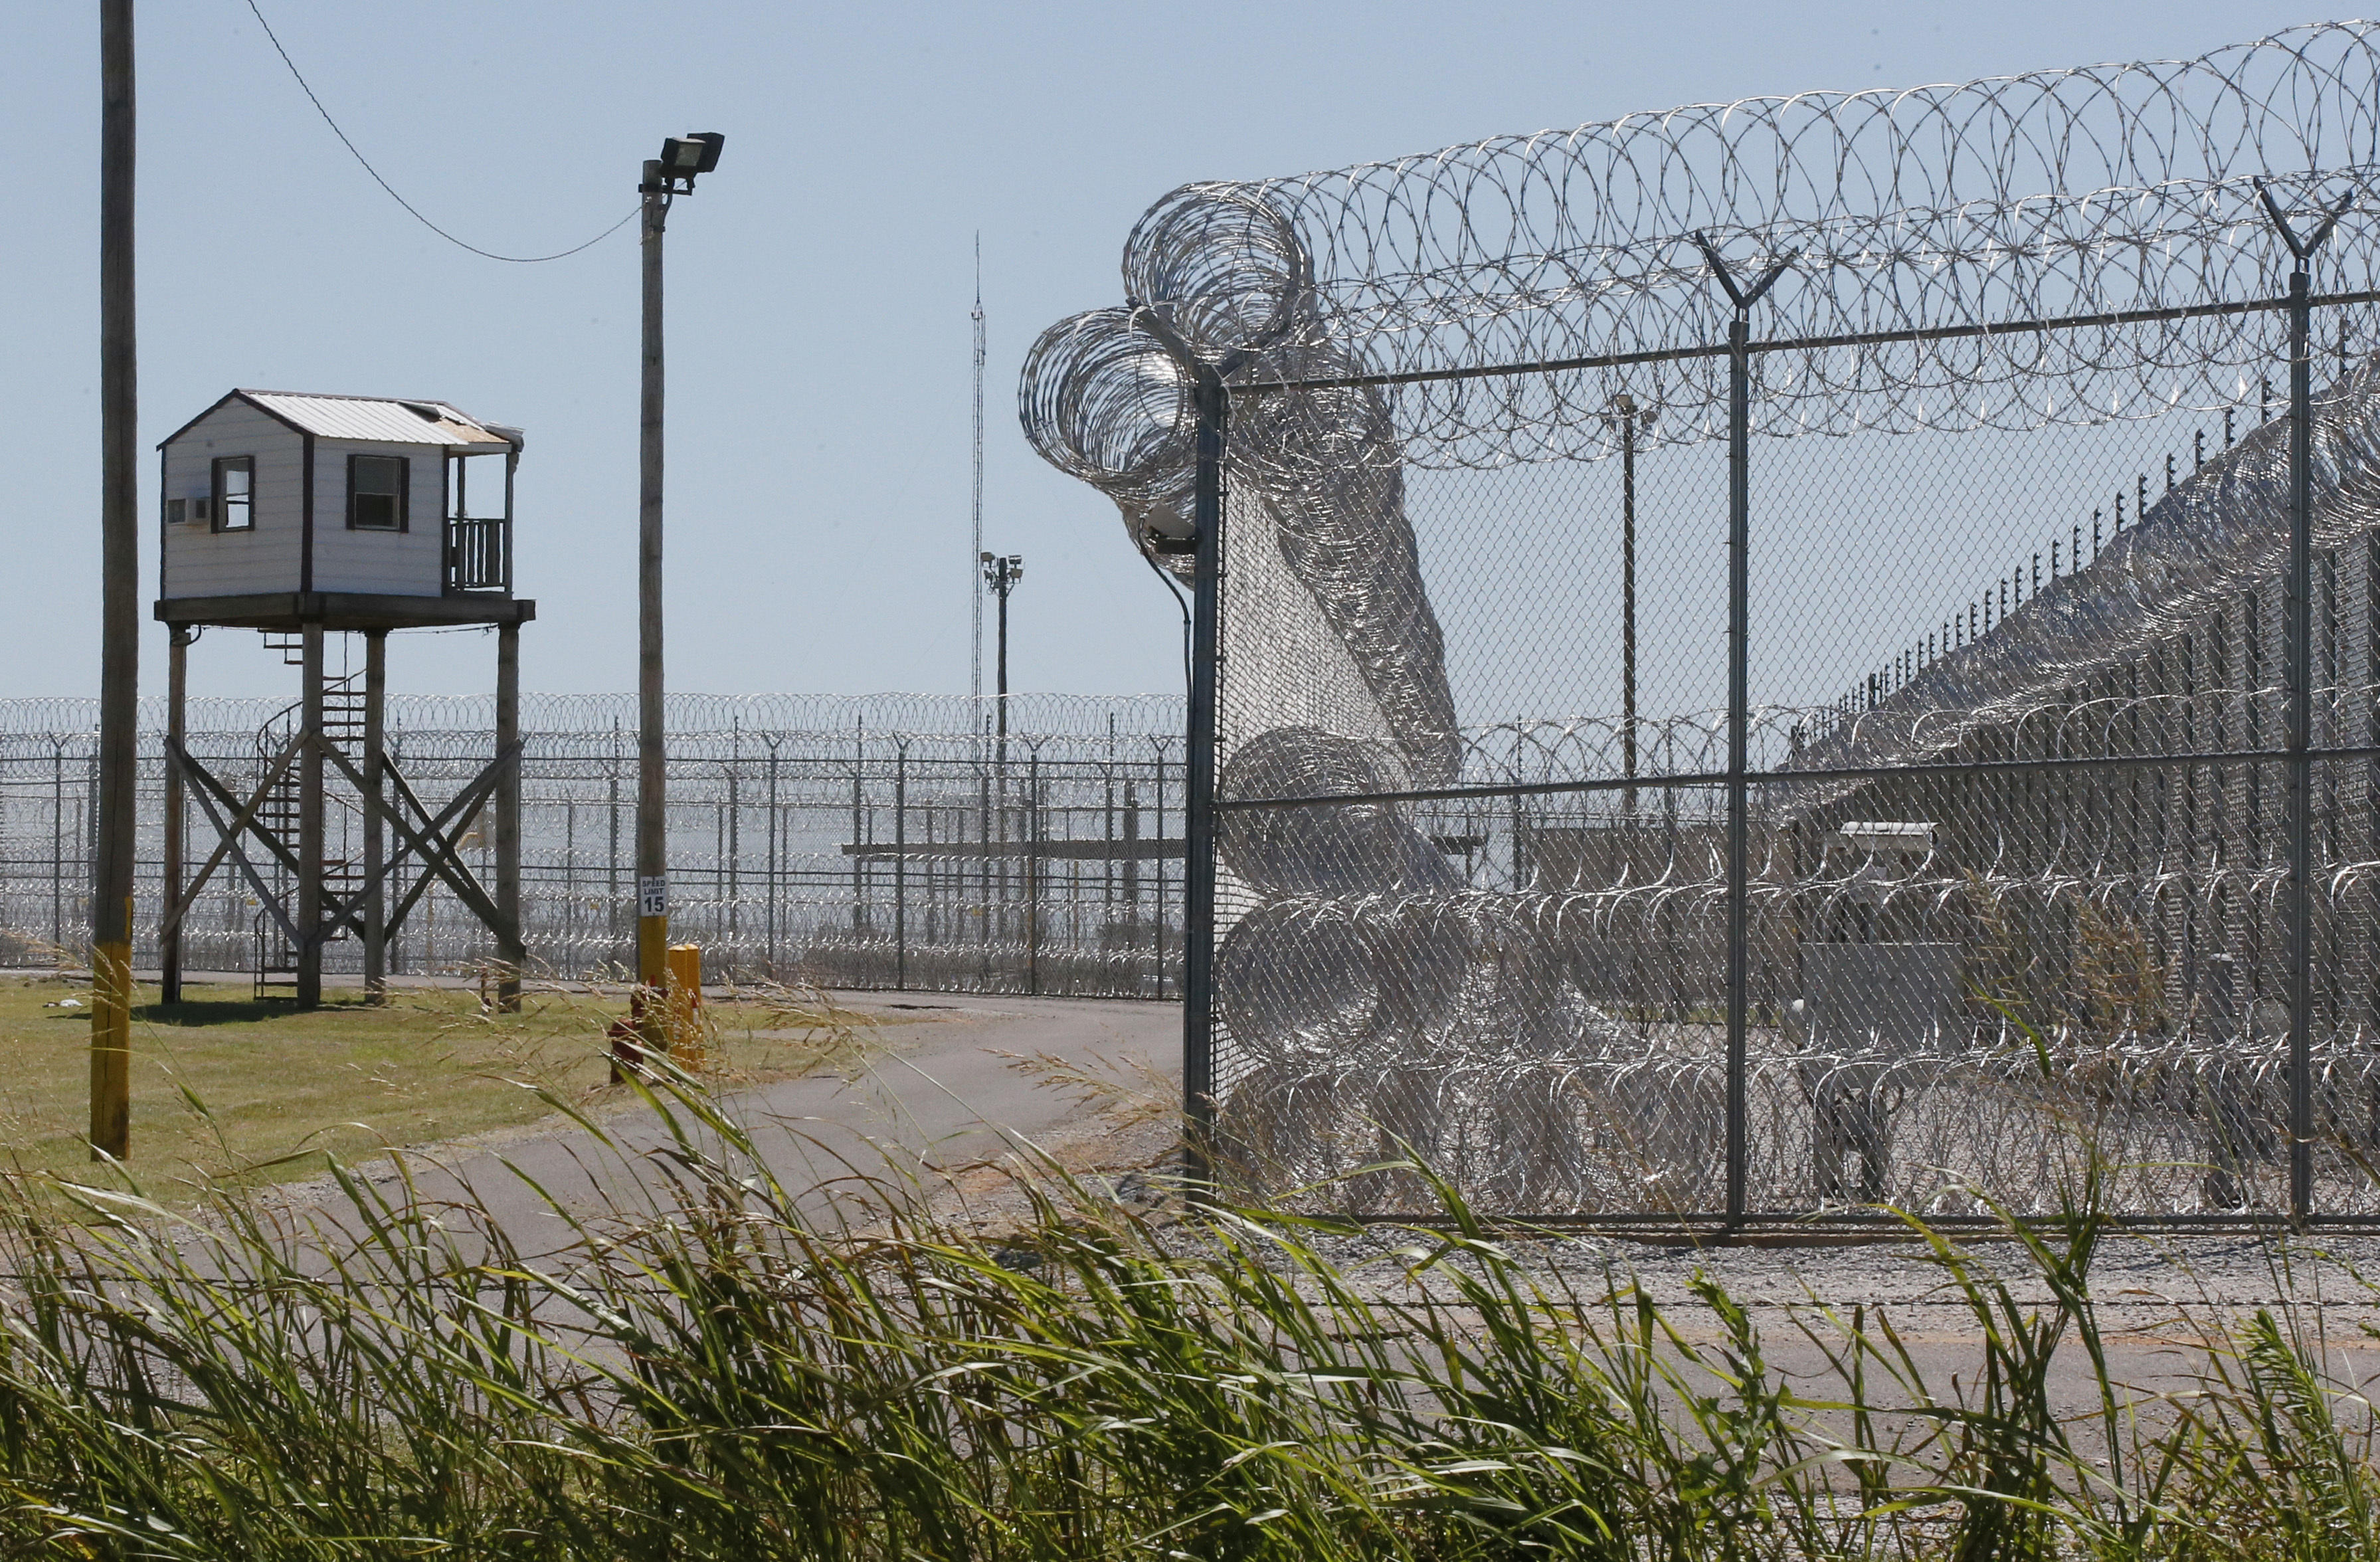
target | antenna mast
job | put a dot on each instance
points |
(974, 552)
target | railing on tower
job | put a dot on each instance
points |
(478, 554)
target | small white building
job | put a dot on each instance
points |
(270, 494)
(305, 517)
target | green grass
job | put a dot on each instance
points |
(723, 1381)
(281, 1090)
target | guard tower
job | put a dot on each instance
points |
(303, 516)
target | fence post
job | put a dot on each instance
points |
(1158, 904)
(2296, 621)
(858, 862)
(2371, 779)
(774, 832)
(1032, 844)
(734, 960)
(1212, 403)
(983, 839)
(1739, 710)
(611, 870)
(2297, 657)
(57, 843)
(901, 865)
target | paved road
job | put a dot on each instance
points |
(944, 1091)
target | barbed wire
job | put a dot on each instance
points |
(1558, 1051)
(1960, 214)
(1530, 981)
(1087, 715)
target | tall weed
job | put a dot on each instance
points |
(705, 1370)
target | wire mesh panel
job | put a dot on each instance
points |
(862, 843)
(1776, 659)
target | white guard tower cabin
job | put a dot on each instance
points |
(302, 515)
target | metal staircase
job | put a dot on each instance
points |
(279, 815)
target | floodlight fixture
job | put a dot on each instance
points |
(682, 157)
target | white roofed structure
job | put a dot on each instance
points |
(356, 511)
(386, 420)
(316, 518)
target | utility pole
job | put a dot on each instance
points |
(119, 655)
(666, 177)
(1000, 572)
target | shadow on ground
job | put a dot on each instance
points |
(236, 1011)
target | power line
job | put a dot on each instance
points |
(425, 221)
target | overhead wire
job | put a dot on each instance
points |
(415, 212)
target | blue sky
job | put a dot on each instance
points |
(820, 282)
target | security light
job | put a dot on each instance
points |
(681, 158)
(695, 153)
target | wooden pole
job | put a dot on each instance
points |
(120, 658)
(508, 817)
(375, 829)
(169, 938)
(653, 761)
(309, 822)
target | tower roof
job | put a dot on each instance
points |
(383, 420)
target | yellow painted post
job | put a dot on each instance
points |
(111, 1045)
(685, 1030)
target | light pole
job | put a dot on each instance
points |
(1000, 572)
(666, 177)
(1623, 407)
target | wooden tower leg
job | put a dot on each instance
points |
(375, 831)
(513, 947)
(310, 826)
(169, 936)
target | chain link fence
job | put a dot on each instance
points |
(876, 843)
(1773, 659)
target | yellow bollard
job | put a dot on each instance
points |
(110, 1048)
(682, 1021)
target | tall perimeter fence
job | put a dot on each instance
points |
(1765, 658)
(885, 842)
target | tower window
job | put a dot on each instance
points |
(235, 496)
(376, 486)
